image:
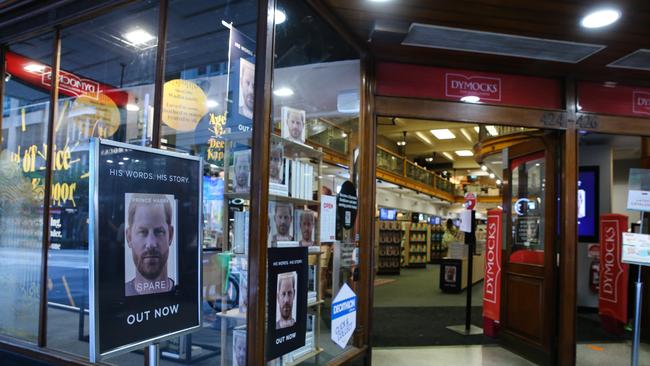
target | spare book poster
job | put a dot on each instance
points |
(287, 300)
(145, 246)
(241, 81)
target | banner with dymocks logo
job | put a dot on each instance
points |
(612, 294)
(492, 279)
(614, 99)
(403, 80)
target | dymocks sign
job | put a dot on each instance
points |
(612, 294)
(492, 280)
(403, 80)
(614, 99)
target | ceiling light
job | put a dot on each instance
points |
(484, 168)
(464, 153)
(401, 143)
(429, 159)
(343, 134)
(466, 134)
(492, 130)
(600, 18)
(283, 92)
(470, 99)
(211, 103)
(34, 68)
(423, 137)
(138, 36)
(498, 182)
(443, 134)
(448, 156)
(132, 107)
(280, 16)
(492, 176)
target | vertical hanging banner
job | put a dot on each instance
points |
(145, 252)
(287, 300)
(241, 78)
(492, 281)
(612, 294)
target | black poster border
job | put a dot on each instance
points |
(94, 354)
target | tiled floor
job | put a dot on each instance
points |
(595, 354)
(449, 355)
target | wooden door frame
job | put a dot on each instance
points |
(558, 120)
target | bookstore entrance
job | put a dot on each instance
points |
(468, 196)
(428, 172)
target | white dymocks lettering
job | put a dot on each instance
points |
(610, 258)
(474, 86)
(491, 257)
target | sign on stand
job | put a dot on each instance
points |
(635, 248)
(145, 247)
(344, 316)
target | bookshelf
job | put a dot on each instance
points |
(438, 251)
(296, 184)
(417, 245)
(389, 239)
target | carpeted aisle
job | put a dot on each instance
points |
(423, 326)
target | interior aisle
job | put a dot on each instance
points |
(419, 287)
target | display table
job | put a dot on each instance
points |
(453, 273)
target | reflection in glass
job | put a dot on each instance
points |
(528, 187)
(22, 173)
(106, 90)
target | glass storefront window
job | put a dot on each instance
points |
(106, 90)
(528, 188)
(315, 114)
(25, 119)
(207, 111)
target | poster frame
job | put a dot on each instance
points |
(94, 354)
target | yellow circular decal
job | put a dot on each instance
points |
(184, 104)
(95, 117)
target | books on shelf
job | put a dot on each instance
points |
(241, 232)
(302, 180)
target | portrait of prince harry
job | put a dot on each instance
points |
(150, 243)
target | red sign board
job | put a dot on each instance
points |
(612, 293)
(614, 99)
(470, 200)
(40, 75)
(492, 279)
(403, 80)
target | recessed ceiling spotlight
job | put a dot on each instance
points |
(492, 175)
(484, 168)
(470, 99)
(280, 16)
(498, 182)
(600, 18)
(34, 68)
(138, 36)
(283, 92)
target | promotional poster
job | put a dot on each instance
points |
(145, 208)
(293, 124)
(347, 205)
(287, 300)
(241, 78)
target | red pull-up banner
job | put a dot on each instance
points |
(612, 294)
(492, 279)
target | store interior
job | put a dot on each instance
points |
(424, 171)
